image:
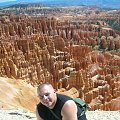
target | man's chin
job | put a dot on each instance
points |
(47, 104)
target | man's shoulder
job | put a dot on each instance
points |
(63, 98)
(40, 105)
(42, 109)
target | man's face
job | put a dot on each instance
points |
(47, 96)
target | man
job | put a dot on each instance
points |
(55, 106)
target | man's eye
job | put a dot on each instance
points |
(47, 94)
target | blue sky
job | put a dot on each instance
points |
(6, 0)
(1, 1)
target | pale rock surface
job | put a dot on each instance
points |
(21, 114)
(17, 93)
(16, 114)
(103, 115)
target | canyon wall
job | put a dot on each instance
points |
(84, 56)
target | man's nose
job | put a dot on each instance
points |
(44, 97)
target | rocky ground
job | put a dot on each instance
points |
(20, 114)
(16, 114)
(103, 115)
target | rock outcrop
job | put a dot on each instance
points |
(16, 93)
(41, 49)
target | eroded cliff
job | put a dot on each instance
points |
(41, 49)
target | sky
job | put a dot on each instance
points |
(45, 0)
(6, 0)
(102, 2)
(1, 1)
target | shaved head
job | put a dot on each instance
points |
(44, 85)
(47, 94)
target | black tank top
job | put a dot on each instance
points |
(45, 113)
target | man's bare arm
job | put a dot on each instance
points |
(69, 111)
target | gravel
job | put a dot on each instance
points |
(20, 114)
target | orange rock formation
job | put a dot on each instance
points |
(41, 49)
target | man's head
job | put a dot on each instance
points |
(47, 95)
